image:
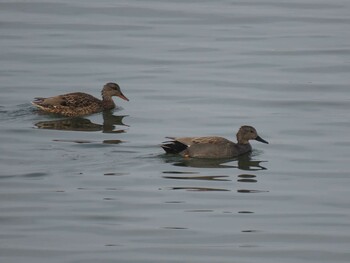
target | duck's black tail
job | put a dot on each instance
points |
(173, 147)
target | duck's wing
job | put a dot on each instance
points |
(49, 102)
(188, 141)
(75, 100)
(206, 147)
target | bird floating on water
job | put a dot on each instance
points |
(213, 146)
(79, 104)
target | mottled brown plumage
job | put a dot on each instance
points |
(79, 103)
(213, 146)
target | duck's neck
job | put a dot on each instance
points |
(241, 140)
(107, 102)
(244, 148)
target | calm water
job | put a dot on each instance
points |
(100, 189)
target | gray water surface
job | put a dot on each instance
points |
(100, 189)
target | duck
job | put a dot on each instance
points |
(78, 104)
(213, 146)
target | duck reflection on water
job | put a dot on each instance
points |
(84, 124)
(242, 162)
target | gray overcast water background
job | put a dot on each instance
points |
(100, 189)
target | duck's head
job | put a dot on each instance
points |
(246, 133)
(112, 89)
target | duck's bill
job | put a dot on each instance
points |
(259, 139)
(123, 97)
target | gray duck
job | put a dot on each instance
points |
(213, 146)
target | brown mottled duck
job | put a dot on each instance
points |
(213, 146)
(79, 104)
